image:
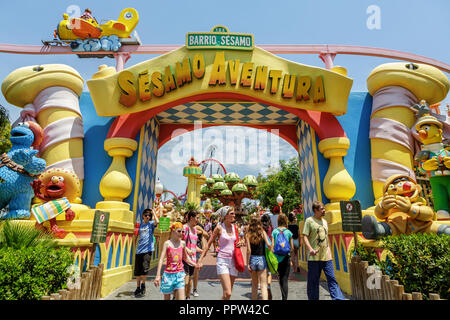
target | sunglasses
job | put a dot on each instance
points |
(180, 231)
(146, 215)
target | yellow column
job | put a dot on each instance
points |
(199, 181)
(192, 172)
(338, 184)
(116, 183)
(395, 87)
(49, 94)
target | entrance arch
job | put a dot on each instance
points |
(158, 130)
(312, 95)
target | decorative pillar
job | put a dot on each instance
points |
(116, 183)
(192, 171)
(395, 88)
(49, 95)
(338, 184)
(199, 182)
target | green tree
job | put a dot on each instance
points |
(285, 181)
(5, 129)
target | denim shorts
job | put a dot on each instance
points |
(172, 281)
(258, 263)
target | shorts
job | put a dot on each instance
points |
(296, 243)
(226, 266)
(188, 269)
(172, 281)
(258, 263)
(142, 264)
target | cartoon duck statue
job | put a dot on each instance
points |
(434, 161)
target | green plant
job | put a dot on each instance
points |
(5, 129)
(285, 181)
(367, 254)
(30, 273)
(421, 263)
(191, 206)
(17, 236)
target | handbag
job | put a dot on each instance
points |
(238, 258)
(272, 262)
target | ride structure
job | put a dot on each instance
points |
(349, 143)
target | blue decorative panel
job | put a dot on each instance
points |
(147, 174)
(118, 255)
(110, 255)
(307, 172)
(344, 259)
(131, 253)
(125, 255)
(98, 256)
(336, 259)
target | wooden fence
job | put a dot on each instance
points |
(87, 288)
(369, 283)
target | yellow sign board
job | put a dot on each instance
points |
(185, 75)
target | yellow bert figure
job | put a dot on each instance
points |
(401, 211)
(434, 160)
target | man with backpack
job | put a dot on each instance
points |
(315, 236)
(283, 248)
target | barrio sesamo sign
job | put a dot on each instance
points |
(219, 38)
(197, 73)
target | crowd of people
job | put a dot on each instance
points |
(271, 240)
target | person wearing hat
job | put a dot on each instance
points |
(401, 211)
(434, 161)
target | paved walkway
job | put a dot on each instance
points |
(209, 287)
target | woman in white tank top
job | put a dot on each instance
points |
(226, 234)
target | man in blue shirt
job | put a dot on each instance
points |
(144, 249)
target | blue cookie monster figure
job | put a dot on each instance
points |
(18, 168)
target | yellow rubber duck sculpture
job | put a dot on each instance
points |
(86, 26)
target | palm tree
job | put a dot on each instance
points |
(19, 236)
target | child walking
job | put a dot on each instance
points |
(256, 238)
(175, 251)
(144, 249)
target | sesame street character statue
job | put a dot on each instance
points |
(434, 161)
(18, 168)
(402, 211)
(57, 187)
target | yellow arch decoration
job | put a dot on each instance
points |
(256, 74)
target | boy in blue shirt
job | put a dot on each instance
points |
(144, 249)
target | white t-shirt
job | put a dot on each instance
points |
(274, 220)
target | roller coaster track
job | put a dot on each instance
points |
(326, 52)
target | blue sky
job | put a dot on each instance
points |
(407, 25)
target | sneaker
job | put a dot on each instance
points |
(195, 293)
(137, 293)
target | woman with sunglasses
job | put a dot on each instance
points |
(225, 232)
(175, 251)
(144, 249)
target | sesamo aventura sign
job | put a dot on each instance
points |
(196, 73)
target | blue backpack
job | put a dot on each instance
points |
(282, 247)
